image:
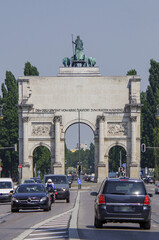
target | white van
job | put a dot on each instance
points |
(6, 189)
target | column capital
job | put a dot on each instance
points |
(58, 119)
(133, 118)
(100, 118)
(25, 119)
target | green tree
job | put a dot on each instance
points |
(30, 70)
(9, 125)
(149, 123)
(42, 160)
(132, 72)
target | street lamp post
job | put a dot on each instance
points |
(79, 148)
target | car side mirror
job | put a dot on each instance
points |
(93, 193)
(150, 194)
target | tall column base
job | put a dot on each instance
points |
(101, 172)
(134, 171)
(58, 168)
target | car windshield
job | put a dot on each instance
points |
(5, 185)
(124, 188)
(58, 179)
(30, 188)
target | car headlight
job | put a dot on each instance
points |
(64, 189)
(43, 199)
(14, 199)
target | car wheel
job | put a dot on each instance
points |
(145, 225)
(47, 208)
(68, 200)
(98, 223)
(14, 210)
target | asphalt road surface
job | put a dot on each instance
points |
(13, 224)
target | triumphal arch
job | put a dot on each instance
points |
(109, 105)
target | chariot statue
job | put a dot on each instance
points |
(78, 59)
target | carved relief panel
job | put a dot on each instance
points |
(117, 129)
(41, 129)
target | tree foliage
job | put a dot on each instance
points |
(30, 70)
(149, 123)
(132, 72)
(86, 159)
(9, 125)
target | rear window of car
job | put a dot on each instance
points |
(124, 188)
(57, 179)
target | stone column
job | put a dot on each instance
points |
(25, 139)
(133, 163)
(57, 139)
(57, 166)
(101, 139)
(133, 139)
(101, 163)
(25, 164)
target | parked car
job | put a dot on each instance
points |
(30, 196)
(122, 200)
(61, 186)
(150, 180)
(157, 188)
(29, 181)
(6, 189)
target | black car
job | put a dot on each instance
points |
(61, 186)
(37, 179)
(150, 180)
(30, 196)
(122, 200)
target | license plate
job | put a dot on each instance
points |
(123, 209)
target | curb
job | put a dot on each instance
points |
(73, 232)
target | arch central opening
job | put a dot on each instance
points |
(86, 141)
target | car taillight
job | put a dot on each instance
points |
(147, 200)
(55, 193)
(101, 199)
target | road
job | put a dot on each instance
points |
(14, 224)
(114, 231)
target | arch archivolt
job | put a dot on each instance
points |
(113, 145)
(38, 145)
(82, 121)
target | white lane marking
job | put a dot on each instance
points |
(46, 238)
(49, 229)
(46, 233)
(33, 228)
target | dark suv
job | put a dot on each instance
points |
(122, 200)
(61, 186)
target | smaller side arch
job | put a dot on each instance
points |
(38, 145)
(113, 145)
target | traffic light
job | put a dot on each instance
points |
(121, 169)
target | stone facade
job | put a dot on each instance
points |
(110, 106)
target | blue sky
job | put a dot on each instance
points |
(120, 34)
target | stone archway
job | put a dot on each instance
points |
(109, 105)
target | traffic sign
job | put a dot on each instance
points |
(1, 169)
(19, 166)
